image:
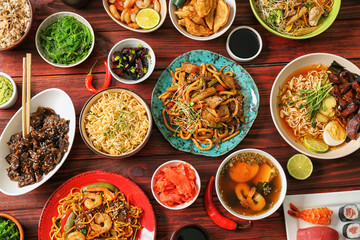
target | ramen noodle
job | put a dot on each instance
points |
(117, 123)
(293, 111)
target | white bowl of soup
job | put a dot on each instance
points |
(250, 184)
(292, 115)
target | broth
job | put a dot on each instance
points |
(304, 72)
(227, 185)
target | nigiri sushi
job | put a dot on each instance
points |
(318, 233)
(320, 216)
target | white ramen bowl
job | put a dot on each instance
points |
(275, 207)
(301, 62)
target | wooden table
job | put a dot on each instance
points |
(342, 38)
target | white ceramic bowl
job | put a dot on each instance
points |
(61, 103)
(239, 58)
(50, 20)
(174, 19)
(133, 43)
(14, 95)
(310, 59)
(85, 110)
(174, 163)
(163, 12)
(283, 185)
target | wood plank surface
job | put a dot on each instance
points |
(342, 38)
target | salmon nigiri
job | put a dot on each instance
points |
(314, 215)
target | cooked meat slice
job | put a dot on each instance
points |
(229, 81)
(350, 109)
(334, 78)
(349, 96)
(223, 111)
(356, 86)
(345, 87)
(346, 75)
(353, 126)
(210, 118)
(340, 101)
(213, 101)
(204, 94)
(241, 110)
(189, 68)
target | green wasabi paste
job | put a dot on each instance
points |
(6, 90)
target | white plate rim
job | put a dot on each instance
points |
(274, 114)
(314, 200)
(72, 129)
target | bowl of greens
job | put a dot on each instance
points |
(10, 228)
(64, 39)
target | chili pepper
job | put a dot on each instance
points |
(89, 78)
(108, 194)
(214, 214)
(101, 184)
(64, 218)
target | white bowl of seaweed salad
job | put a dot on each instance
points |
(64, 39)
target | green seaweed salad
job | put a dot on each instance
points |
(8, 230)
(66, 41)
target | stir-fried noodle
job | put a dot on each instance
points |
(203, 104)
(96, 215)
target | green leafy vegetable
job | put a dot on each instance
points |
(66, 41)
(8, 230)
(275, 17)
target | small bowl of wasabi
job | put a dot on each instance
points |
(8, 91)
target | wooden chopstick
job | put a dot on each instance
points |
(23, 113)
(26, 94)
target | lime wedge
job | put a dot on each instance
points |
(315, 145)
(299, 166)
(147, 18)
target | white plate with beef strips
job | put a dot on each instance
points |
(61, 103)
(333, 201)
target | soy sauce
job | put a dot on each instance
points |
(244, 43)
(190, 233)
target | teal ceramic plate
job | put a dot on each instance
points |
(249, 90)
(325, 21)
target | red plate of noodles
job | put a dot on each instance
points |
(131, 191)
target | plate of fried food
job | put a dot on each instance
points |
(202, 19)
(204, 103)
(98, 205)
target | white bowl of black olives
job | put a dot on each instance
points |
(131, 61)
